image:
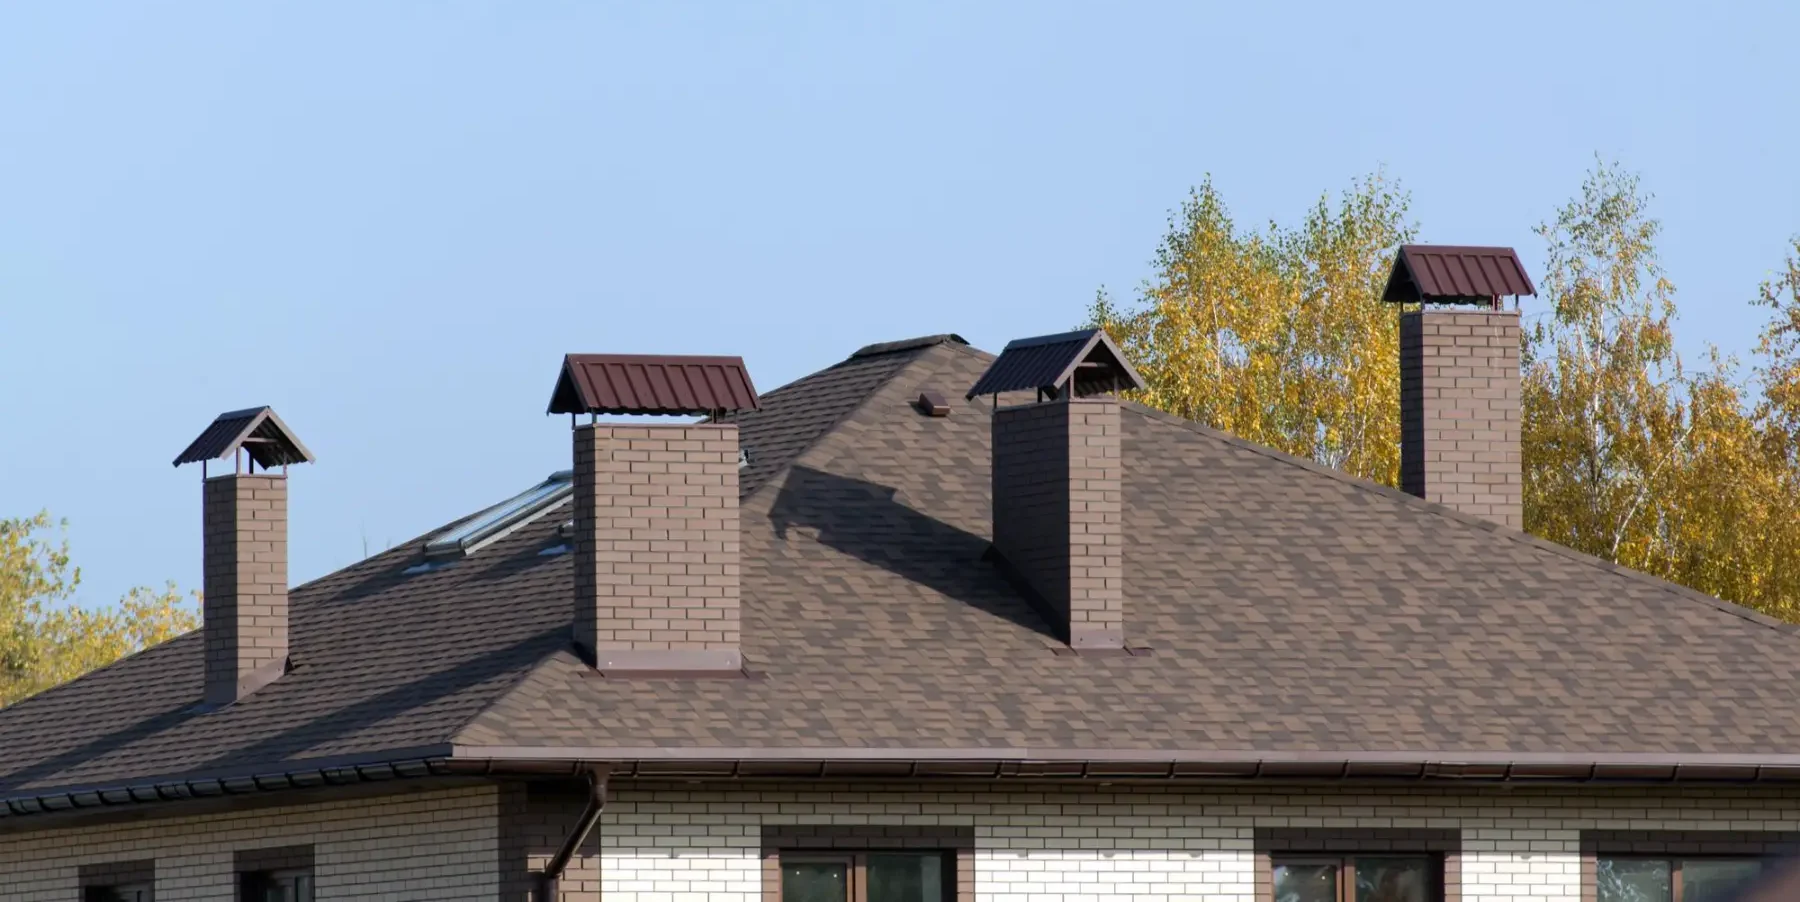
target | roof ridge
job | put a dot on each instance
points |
(1505, 532)
(849, 411)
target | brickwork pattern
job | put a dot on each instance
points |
(1061, 844)
(245, 581)
(1058, 484)
(657, 546)
(1459, 411)
(433, 846)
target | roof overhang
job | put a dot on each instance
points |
(1112, 764)
(939, 764)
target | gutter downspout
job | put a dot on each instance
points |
(548, 882)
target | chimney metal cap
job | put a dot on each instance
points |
(257, 430)
(653, 384)
(1450, 274)
(1079, 363)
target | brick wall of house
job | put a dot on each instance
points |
(1056, 844)
(656, 545)
(1459, 411)
(1059, 514)
(690, 843)
(433, 846)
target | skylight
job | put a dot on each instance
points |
(500, 520)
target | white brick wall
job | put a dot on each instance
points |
(430, 846)
(1039, 843)
(1051, 844)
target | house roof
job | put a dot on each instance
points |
(1291, 613)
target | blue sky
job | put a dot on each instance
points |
(389, 220)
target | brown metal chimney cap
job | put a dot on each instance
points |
(257, 430)
(1451, 274)
(1080, 363)
(638, 384)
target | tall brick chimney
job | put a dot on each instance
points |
(1459, 378)
(244, 543)
(1058, 480)
(656, 511)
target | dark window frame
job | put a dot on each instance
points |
(1666, 845)
(1327, 844)
(845, 842)
(103, 882)
(255, 869)
(1345, 864)
(1675, 861)
(856, 867)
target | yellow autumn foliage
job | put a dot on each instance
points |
(47, 639)
(1279, 336)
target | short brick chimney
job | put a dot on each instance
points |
(1459, 411)
(1058, 481)
(656, 543)
(1459, 378)
(244, 543)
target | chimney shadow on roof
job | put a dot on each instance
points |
(430, 690)
(138, 730)
(865, 520)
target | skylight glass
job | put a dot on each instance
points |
(497, 521)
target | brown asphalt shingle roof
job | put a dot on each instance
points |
(1288, 608)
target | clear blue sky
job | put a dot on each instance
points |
(389, 220)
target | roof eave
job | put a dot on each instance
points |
(1002, 763)
(417, 763)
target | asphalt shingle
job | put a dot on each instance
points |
(1287, 609)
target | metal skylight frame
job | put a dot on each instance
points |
(502, 519)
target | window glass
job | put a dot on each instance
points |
(905, 878)
(1716, 879)
(133, 893)
(1633, 880)
(1393, 879)
(815, 881)
(1306, 882)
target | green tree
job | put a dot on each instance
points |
(47, 639)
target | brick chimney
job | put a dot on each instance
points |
(244, 544)
(1459, 411)
(1058, 481)
(656, 543)
(1459, 378)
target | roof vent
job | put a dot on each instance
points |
(1447, 274)
(1076, 364)
(502, 519)
(932, 404)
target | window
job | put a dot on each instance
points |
(136, 892)
(496, 522)
(1697, 879)
(1358, 878)
(866, 877)
(118, 881)
(294, 885)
